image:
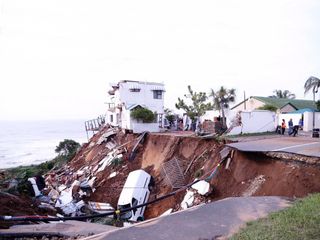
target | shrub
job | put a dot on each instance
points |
(143, 114)
(268, 107)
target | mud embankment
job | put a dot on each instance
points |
(266, 176)
(248, 174)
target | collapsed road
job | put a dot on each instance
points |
(177, 160)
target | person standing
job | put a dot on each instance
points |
(283, 126)
(290, 123)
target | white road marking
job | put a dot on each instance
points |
(300, 145)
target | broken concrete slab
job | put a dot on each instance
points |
(187, 200)
(104, 137)
(202, 187)
(224, 152)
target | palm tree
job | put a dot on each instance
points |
(283, 94)
(312, 83)
(221, 100)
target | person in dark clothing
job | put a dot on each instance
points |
(290, 123)
(295, 130)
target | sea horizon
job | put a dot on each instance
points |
(27, 142)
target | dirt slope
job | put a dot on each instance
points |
(266, 176)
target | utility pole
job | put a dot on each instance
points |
(315, 90)
(244, 100)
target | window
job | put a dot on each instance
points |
(157, 94)
(134, 203)
(134, 89)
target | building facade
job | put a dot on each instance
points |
(127, 95)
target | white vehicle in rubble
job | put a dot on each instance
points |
(136, 191)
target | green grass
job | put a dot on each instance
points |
(301, 221)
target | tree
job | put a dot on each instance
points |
(169, 115)
(221, 100)
(312, 83)
(143, 114)
(67, 148)
(286, 94)
(268, 107)
(318, 105)
(198, 106)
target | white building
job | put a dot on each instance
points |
(127, 95)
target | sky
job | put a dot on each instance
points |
(57, 58)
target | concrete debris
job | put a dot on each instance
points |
(106, 135)
(111, 145)
(187, 200)
(166, 213)
(53, 194)
(113, 175)
(98, 207)
(202, 187)
(65, 198)
(105, 162)
(224, 152)
(228, 163)
(127, 224)
(108, 160)
(62, 187)
(91, 181)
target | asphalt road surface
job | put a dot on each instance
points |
(207, 221)
(304, 146)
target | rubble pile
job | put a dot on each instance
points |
(69, 189)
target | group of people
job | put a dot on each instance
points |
(293, 129)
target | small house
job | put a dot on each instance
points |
(128, 95)
(282, 105)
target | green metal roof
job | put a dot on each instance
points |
(281, 102)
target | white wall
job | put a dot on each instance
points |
(142, 127)
(308, 121)
(255, 121)
(287, 116)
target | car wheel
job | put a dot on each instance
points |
(139, 219)
(151, 184)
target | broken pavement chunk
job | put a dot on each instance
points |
(202, 187)
(187, 200)
(224, 152)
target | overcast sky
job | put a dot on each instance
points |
(58, 57)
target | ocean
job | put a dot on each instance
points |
(34, 142)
